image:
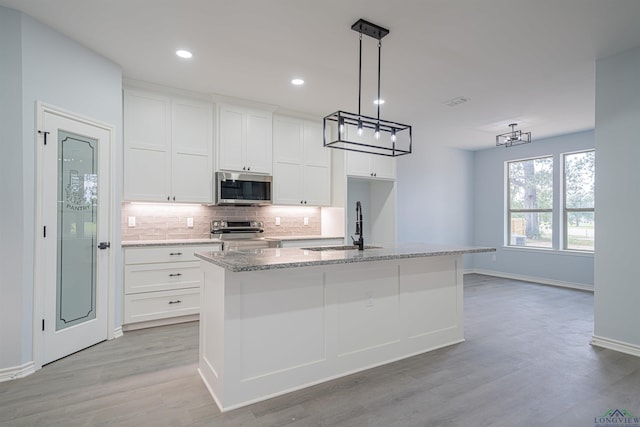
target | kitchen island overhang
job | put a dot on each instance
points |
(277, 320)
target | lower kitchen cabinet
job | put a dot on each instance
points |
(162, 284)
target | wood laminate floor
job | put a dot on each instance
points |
(526, 361)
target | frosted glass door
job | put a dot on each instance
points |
(76, 225)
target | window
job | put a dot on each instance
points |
(579, 195)
(530, 202)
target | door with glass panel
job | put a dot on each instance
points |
(75, 191)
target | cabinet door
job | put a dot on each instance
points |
(317, 166)
(317, 185)
(358, 164)
(287, 137)
(192, 145)
(147, 146)
(259, 145)
(288, 184)
(287, 161)
(231, 123)
(383, 167)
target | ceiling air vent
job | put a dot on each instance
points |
(455, 101)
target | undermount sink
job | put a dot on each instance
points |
(339, 248)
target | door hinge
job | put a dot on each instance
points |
(44, 232)
(45, 136)
(42, 325)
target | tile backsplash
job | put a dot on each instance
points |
(169, 221)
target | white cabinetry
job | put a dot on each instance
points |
(244, 139)
(168, 145)
(301, 164)
(366, 165)
(161, 283)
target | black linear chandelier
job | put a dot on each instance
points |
(355, 132)
(515, 137)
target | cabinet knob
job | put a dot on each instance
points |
(305, 202)
(244, 168)
(168, 198)
(248, 168)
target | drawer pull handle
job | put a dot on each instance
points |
(175, 302)
(175, 253)
(175, 275)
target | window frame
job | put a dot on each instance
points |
(566, 210)
(510, 211)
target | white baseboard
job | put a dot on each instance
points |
(117, 332)
(543, 281)
(15, 372)
(615, 345)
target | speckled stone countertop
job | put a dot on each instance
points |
(276, 258)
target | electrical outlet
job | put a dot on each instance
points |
(368, 296)
(277, 220)
(132, 221)
(306, 220)
(189, 222)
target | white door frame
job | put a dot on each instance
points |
(38, 282)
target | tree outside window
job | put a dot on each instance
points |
(579, 201)
(530, 199)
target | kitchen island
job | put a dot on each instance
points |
(277, 320)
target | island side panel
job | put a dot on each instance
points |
(275, 332)
(287, 329)
(212, 310)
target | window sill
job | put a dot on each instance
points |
(549, 251)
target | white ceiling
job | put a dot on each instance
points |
(525, 61)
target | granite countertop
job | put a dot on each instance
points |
(310, 237)
(276, 258)
(174, 242)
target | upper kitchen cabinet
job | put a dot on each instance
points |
(168, 146)
(301, 164)
(365, 165)
(244, 139)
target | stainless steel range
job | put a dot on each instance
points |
(239, 235)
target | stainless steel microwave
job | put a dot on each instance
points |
(243, 189)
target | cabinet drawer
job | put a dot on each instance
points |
(160, 305)
(161, 277)
(165, 253)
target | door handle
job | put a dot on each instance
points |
(104, 245)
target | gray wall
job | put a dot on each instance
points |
(63, 73)
(551, 266)
(617, 284)
(435, 195)
(12, 244)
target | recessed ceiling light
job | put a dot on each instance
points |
(184, 54)
(297, 82)
(379, 101)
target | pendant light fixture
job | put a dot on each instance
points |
(356, 132)
(515, 137)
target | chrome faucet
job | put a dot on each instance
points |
(359, 227)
